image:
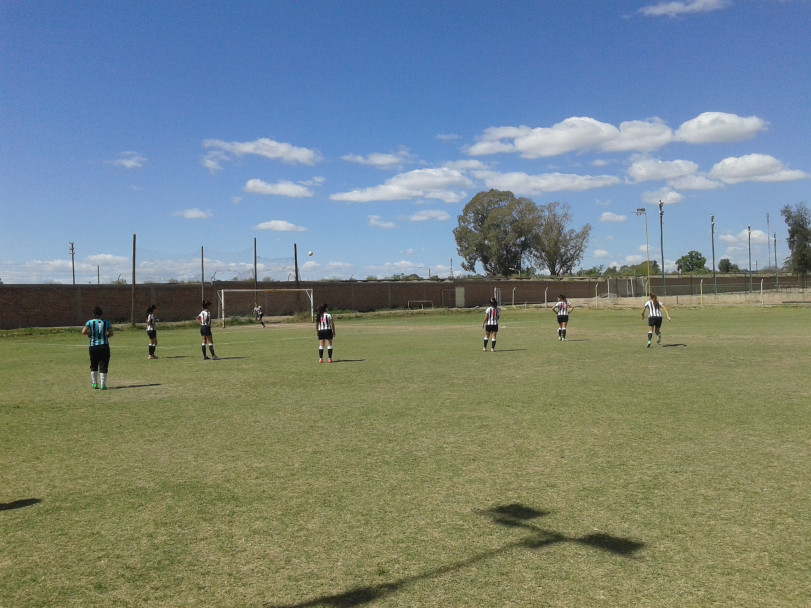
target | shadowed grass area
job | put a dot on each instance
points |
(416, 470)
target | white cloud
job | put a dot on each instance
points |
(375, 221)
(447, 137)
(530, 185)
(106, 258)
(758, 237)
(653, 169)
(754, 168)
(193, 214)
(429, 215)
(279, 226)
(688, 7)
(281, 188)
(719, 127)
(694, 182)
(607, 216)
(666, 195)
(601, 254)
(380, 160)
(221, 151)
(129, 160)
(640, 136)
(438, 184)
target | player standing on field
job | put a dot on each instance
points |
(259, 314)
(490, 325)
(99, 332)
(562, 309)
(654, 308)
(326, 332)
(151, 331)
(205, 330)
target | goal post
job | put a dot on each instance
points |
(277, 302)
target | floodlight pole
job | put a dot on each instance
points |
(768, 251)
(714, 280)
(295, 260)
(643, 211)
(662, 245)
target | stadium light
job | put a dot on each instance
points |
(643, 211)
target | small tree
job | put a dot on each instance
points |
(798, 221)
(692, 261)
(557, 247)
(726, 267)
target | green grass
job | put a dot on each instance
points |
(416, 470)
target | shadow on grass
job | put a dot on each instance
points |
(512, 516)
(334, 361)
(507, 350)
(669, 345)
(19, 504)
(118, 388)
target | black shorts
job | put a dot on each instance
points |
(205, 331)
(325, 334)
(491, 329)
(563, 318)
(100, 358)
(152, 333)
(655, 322)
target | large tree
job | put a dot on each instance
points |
(692, 261)
(497, 230)
(558, 248)
(798, 221)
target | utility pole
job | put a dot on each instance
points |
(767, 241)
(714, 280)
(72, 262)
(662, 245)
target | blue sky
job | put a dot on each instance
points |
(359, 130)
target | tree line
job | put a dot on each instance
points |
(509, 235)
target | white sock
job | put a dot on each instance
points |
(93, 377)
(103, 379)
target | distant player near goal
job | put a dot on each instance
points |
(562, 309)
(490, 324)
(326, 332)
(204, 318)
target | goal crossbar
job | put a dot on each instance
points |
(222, 293)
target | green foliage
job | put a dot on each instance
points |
(726, 267)
(558, 248)
(502, 232)
(692, 261)
(496, 229)
(798, 220)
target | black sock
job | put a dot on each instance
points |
(204, 350)
(320, 353)
(211, 348)
(329, 352)
(151, 350)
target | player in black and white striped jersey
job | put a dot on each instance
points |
(490, 325)
(654, 308)
(562, 308)
(151, 330)
(205, 330)
(325, 328)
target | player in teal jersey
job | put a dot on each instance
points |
(99, 332)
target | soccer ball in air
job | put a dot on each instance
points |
(310, 253)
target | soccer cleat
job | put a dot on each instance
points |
(329, 360)
(648, 343)
(320, 360)
(94, 385)
(152, 357)
(215, 358)
(103, 387)
(484, 348)
(206, 357)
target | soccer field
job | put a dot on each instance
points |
(415, 470)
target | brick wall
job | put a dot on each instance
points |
(72, 305)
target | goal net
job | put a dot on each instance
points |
(241, 303)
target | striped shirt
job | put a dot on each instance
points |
(562, 308)
(98, 331)
(324, 321)
(150, 322)
(491, 316)
(204, 318)
(653, 309)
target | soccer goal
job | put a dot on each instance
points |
(274, 302)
